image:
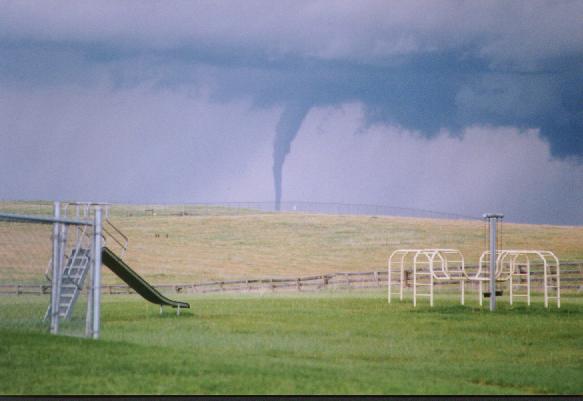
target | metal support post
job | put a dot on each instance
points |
(56, 271)
(96, 284)
(493, 220)
(389, 281)
(463, 291)
(402, 277)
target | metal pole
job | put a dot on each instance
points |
(96, 288)
(493, 220)
(89, 318)
(56, 271)
(389, 280)
(492, 264)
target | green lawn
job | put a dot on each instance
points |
(327, 343)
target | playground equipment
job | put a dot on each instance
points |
(135, 281)
(513, 267)
(428, 266)
(519, 266)
(74, 270)
(482, 273)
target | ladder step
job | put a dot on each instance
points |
(68, 286)
(424, 284)
(72, 278)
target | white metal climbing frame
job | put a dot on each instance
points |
(427, 266)
(513, 266)
(520, 263)
(482, 272)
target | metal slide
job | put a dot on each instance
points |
(131, 278)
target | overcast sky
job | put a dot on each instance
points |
(457, 106)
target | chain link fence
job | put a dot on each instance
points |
(184, 248)
(26, 276)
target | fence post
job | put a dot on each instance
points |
(56, 271)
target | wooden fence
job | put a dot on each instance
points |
(571, 280)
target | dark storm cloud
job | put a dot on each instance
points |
(424, 66)
(448, 90)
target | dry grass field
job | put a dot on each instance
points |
(222, 243)
(199, 248)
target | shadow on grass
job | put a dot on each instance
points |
(502, 309)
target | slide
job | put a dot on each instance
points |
(133, 279)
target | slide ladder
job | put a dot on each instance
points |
(72, 280)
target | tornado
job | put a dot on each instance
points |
(285, 132)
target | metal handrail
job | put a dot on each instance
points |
(48, 271)
(124, 244)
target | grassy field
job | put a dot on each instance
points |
(327, 343)
(318, 343)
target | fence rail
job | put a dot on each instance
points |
(236, 208)
(571, 280)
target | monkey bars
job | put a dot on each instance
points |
(428, 265)
(515, 267)
(512, 265)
